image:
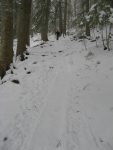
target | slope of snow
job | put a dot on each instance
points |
(64, 99)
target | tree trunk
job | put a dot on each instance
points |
(87, 23)
(44, 34)
(28, 21)
(112, 4)
(15, 13)
(60, 16)
(55, 17)
(6, 50)
(23, 28)
(65, 17)
(45, 19)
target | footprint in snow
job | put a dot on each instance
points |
(60, 51)
(43, 55)
(29, 72)
(5, 139)
(6, 144)
(15, 81)
(59, 144)
(86, 86)
(51, 67)
(35, 62)
(77, 111)
(101, 140)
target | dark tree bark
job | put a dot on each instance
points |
(60, 16)
(23, 27)
(45, 5)
(6, 50)
(112, 3)
(65, 17)
(55, 17)
(15, 12)
(87, 23)
(28, 22)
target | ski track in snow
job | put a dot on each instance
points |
(56, 103)
(51, 130)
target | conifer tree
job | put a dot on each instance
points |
(6, 50)
(23, 27)
(65, 17)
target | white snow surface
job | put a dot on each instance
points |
(64, 99)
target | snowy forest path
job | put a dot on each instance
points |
(51, 129)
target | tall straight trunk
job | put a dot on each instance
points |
(55, 17)
(0, 18)
(75, 8)
(6, 50)
(45, 19)
(15, 13)
(60, 16)
(112, 4)
(68, 22)
(87, 23)
(23, 28)
(65, 17)
(28, 22)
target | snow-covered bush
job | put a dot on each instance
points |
(101, 16)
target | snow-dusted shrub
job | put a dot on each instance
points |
(101, 15)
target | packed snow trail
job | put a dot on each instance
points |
(51, 130)
(64, 100)
(65, 123)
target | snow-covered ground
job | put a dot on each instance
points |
(64, 99)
